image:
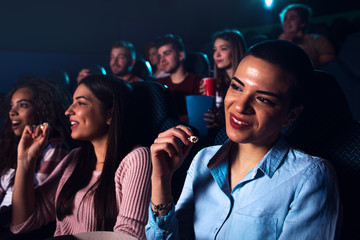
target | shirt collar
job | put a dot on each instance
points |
(268, 164)
(220, 154)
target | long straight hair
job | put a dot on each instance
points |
(112, 95)
(238, 48)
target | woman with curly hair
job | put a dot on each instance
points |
(32, 102)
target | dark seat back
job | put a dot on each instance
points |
(151, 110)
(325, 116)
(346, 69)
(197, 62)
(142, 69)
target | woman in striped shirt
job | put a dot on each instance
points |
(104, 185)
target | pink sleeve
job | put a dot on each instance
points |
(45, 195)
(132, 182)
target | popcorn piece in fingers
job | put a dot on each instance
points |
(44, 126)
(193, 139)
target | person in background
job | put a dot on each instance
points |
(180, 82)
(91, 70)
(32, 102)
(254, 186)
(151, 55)
(295, 23)
(104, 185)
(229, 47)
(122, 60)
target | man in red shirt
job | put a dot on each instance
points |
(180, 82)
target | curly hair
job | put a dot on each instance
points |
(49, 103)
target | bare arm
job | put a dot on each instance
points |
(167, 155)
(30, 146)
(325, 58)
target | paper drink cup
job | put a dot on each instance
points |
(210, 86)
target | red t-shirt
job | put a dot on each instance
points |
(190, 86)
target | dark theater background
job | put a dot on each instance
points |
(40, 36)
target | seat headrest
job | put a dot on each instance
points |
(325, 115)
(197, 62)
(142, 69)
(349, 53)
(151, 111)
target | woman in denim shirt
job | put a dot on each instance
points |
(255, 186)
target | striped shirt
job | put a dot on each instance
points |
(51, 156)
(132, 186)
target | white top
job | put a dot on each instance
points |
(4, 184)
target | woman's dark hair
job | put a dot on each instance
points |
(113, 95)
(292, 59)
(49, 104)
(238, 48)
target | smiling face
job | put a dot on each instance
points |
(170, 60)
(257, 103)
(22, 111)
(88, 120)
(222, 53)
(292, 22)
(120, 61)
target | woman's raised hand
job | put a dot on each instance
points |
(31, 144)
(169, 151)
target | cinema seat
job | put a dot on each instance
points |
(151, 110)
(197, 62)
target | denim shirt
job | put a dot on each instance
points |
(288, 195)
